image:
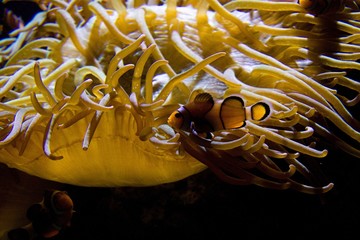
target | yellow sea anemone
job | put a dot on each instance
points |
(86, 88)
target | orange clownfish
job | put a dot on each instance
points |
(47, 217)
(52, 214)
(318, 7)
(211, 115)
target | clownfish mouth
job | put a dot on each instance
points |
(90, 93)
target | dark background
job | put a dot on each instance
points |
(25, 10)
(202, 207)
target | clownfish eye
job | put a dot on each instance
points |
(176, 120)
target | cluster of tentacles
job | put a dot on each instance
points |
(81, 58)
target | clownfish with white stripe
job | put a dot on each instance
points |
(209, 114)
(52, 214)
(47, 217)
(318, 7)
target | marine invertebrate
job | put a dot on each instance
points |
(87, 87)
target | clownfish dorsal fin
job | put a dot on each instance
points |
(201, 104)
(260, 111)
(204, 98)
(194, 93)
(232, 112)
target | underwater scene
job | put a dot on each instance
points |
(179, 119)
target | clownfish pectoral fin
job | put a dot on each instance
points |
(203, 128)
(259, 111)
(49, 233)
(199, 132)
(232, 112)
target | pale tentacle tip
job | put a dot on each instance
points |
(323, 153)
(54, 157)
(292, 170)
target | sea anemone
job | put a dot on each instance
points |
(86, 88)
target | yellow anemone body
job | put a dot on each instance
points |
(117, 157)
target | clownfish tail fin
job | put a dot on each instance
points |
(260, 111)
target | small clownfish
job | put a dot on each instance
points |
(52, 214)
(318, 7)
(211, 115)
